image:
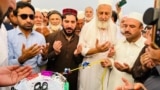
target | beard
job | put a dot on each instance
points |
(26, 28)
(55, 27)
(102, 24)
(69, 33)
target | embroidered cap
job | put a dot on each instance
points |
(69, 11)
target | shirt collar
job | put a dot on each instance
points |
(20, 32)
(138, 43)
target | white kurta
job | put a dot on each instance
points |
(3, 50)
(125, 53)
(91, 78)
(3, 47)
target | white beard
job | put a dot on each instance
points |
(102, 25)
(55, 27)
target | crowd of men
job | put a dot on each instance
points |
(118, 48)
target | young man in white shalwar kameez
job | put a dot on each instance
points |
(96, 38)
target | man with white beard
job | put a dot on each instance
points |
(96, 38)
(55, 20)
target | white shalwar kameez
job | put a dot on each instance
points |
(125, 53)
(3, 50)
(95, 77)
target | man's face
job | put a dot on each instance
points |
(55, 19)
(80, 23)
(103, 15)
(25, 18)
(132, 29)
(45, 19)
(69, 24)
(13, 18)
(79, 26)
(38, 20)
(4, 6)
(88, 13)
(104, 12)
(148, 41)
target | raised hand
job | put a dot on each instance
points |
(103, 47)
(78, 50)
(154, 54)
(11, 75)
(131, 86)
(106, 63)
(44, 52)
(146, 61)
(28, 53)
(57, 45)
(122, 67)
(111, 52)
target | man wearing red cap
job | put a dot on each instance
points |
(63, 49)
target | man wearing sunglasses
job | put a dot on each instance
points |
(26, 46)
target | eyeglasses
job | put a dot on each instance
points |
(25, 16)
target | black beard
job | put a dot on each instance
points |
(26, 28)
(68, 34)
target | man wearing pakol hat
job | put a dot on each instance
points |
(96, 38)
(63, 49)
(127, 50)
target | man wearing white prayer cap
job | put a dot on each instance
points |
(127, 50)
(80, 22)
(97, 38)
(108, 2)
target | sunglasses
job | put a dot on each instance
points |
(25, 16)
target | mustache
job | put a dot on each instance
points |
(69, 28)
(126, 32)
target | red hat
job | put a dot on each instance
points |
(69, 11)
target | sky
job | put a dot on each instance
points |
(132, 5)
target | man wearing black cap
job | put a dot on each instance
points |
(63, 49)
